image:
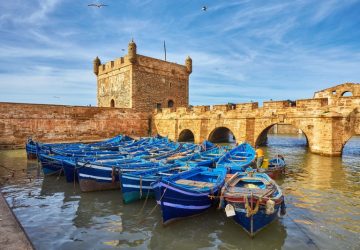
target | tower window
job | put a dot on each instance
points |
(112, 103)
(158, 105)
(170, 103)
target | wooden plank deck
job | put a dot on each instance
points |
(199, 184)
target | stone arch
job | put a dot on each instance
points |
(261, 137)
(186, 135)
(346, 93)
(170, 103)
(221, 134)
(351, 129)
(112, 103)
(345, 142)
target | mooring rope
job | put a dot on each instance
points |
(12, 170)
(146, 199)
(153, 209)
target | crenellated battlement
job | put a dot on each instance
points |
(113, 65)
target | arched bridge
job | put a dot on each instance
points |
(328, 120)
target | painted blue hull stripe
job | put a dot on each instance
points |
(168, 204)
(95, 177)
(136, 178)
(195, 193)
(136, 186)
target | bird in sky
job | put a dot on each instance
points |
(204, 8)
(99, 5)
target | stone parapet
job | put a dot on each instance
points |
(200, 109)
(276, 104)
(246, 106)
(312, 103)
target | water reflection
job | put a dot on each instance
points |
(322, 196)
(221, 233)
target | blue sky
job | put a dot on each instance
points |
(241, 50)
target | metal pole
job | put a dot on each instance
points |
(165, 49)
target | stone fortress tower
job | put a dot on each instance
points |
(142, 83)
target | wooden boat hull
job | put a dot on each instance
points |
(276, 173)
(275, 169)
(106, 176)
(238, 158)
(50, 165)
(180, 197)
(137, 185)
(135, 188)
(178, 203)
(254, 223)
(91, 185)
(253, 200)
(31, 150)
(70, 171)
(97, 178)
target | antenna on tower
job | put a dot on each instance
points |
(165, 50)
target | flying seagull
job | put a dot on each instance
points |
(204, 8)
(97, 5)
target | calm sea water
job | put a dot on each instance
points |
(322, 197)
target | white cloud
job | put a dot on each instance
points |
(240, 49)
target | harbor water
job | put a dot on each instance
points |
(322, 195)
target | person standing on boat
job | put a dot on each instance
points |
(259, 157)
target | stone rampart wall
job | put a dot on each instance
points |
(55, 123)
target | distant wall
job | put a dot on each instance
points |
(55, 123)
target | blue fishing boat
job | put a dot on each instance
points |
(188, 193)
(203, 159)
(31, 149)
(84, 150)
(104, 175)
(51, 164)
(238, 158)
(70, 169)
(190, 151)
(275, 168)
(137, 185)
(207, 145)
(34, 148)
(253, 200)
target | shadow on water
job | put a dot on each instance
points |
(322, 196)
(221, 233)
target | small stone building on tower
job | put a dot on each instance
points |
(142, 83)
